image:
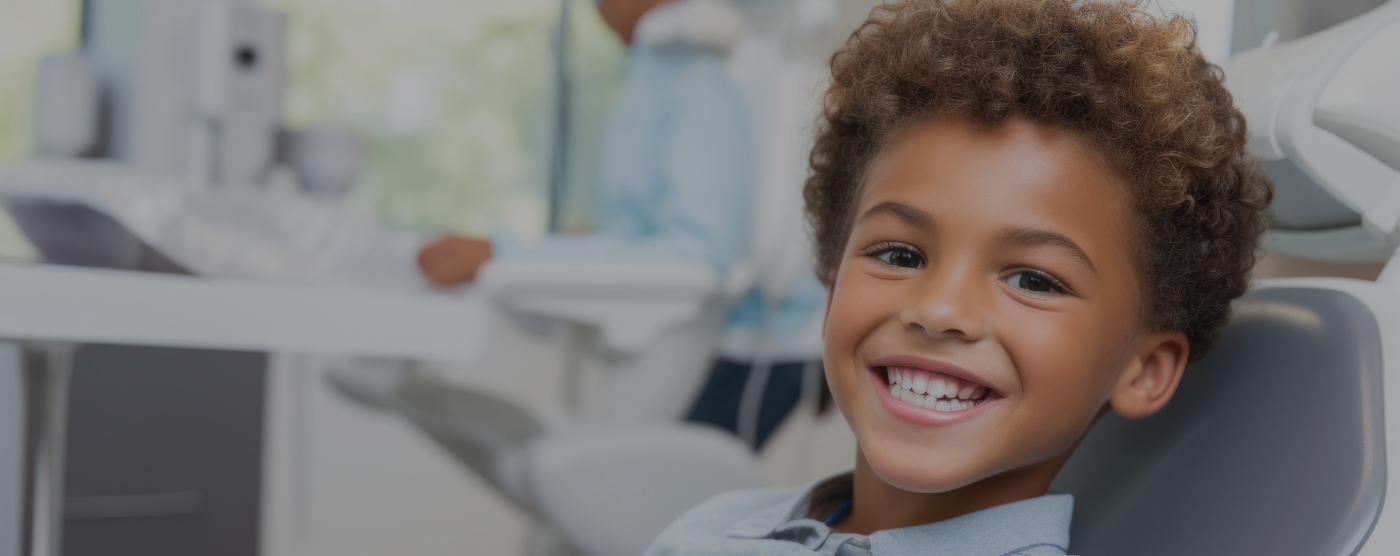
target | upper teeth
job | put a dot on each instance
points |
(932, 390)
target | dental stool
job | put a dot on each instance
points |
(1274, 443)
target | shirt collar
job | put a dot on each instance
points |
(991, 532)
(1042, 521)
(762, 522)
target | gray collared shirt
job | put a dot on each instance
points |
(766, 522)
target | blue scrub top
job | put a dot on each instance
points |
(675, 178)
(677, 163)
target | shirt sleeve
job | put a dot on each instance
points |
(704, 167)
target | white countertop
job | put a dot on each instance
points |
(45, 302)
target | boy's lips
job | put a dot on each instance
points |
(928, 392)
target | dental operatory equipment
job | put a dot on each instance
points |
(191, 90)
(162, 147)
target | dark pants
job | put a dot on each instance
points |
(718, 403)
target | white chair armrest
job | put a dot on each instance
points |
(612, 490)
(632, 303)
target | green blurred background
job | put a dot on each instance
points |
(453, 98)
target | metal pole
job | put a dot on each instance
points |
(47, 370)
(558, 160)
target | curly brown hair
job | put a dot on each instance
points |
(1131, 83)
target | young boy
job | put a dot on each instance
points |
(1027, 213)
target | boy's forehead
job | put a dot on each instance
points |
(1019, 165)
(1015, 175)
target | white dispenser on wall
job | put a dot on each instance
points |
(188, 88)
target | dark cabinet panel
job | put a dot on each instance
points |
(164, 452)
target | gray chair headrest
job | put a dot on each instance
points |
(1273, 444)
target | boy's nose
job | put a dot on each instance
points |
(948, 305)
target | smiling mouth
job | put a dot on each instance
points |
(936, 391)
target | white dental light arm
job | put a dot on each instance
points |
(1326, 105)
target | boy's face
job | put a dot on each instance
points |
(992, 270)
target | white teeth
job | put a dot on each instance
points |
(932, 392)
(936, 387)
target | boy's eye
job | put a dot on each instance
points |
(1035, 281)
(897, 255)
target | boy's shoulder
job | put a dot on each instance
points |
(744, 522)
(718, 525)
(723, 512)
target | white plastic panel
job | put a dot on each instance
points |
(666, 469)
(1362, 104)
(1317, 108)
(632, 303)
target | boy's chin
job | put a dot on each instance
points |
(924, 475)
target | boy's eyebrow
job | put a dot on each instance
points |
(1026, 237)
(909, 214)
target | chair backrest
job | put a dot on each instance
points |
(1273, 444)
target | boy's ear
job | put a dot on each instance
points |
(1152, 375)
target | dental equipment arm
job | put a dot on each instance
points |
(657, 324)
(1322, 115)
(630, 303)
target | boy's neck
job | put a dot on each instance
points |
(877, 505)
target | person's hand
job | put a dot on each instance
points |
(451, 260)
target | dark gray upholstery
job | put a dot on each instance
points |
(1273, 444)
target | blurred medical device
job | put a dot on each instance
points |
(161, 147)
(184, 88)
(1282, 440)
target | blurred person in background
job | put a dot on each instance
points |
(676, 164)
(674, 184)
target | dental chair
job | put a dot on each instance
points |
(607, 476)
(1280, 441)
